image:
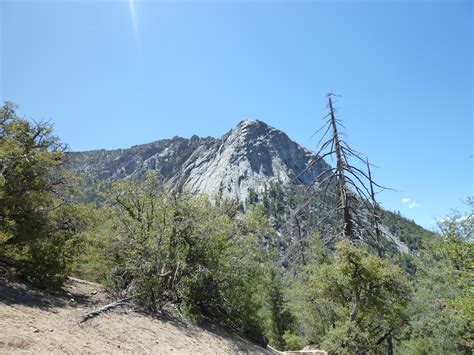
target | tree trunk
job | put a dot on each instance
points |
(389, 347)
(347, 230)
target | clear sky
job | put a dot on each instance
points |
(113, 74)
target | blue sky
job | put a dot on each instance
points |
(112, 74)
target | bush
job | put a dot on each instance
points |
(442, 307)
(37, 222)
(293, 341)
(353, 301)
(185, 252)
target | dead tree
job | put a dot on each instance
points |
(105, 308)
(341, 166)
(353, 185)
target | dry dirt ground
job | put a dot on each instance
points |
(34, 322)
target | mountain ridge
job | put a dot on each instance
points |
(256, 152)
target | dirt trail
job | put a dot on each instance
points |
(33, 322)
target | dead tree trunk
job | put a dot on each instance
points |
(341, 181)
(353, 186)
(105, 308)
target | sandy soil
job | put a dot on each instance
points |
(33, 322)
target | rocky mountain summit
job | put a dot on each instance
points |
(247, 157)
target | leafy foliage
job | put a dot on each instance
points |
(442, 309)
(37, 224)
(353, 301)
(186, 253)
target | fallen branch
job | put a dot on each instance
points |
(105, 308)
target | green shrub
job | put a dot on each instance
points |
(293, 341)
(37, 220)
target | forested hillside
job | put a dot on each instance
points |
(317, 264)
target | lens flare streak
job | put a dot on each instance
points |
(133, 16)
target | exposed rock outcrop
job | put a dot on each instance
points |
(247, 157)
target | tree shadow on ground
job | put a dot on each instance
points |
(23, 292)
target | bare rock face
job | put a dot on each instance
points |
(248, 157)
